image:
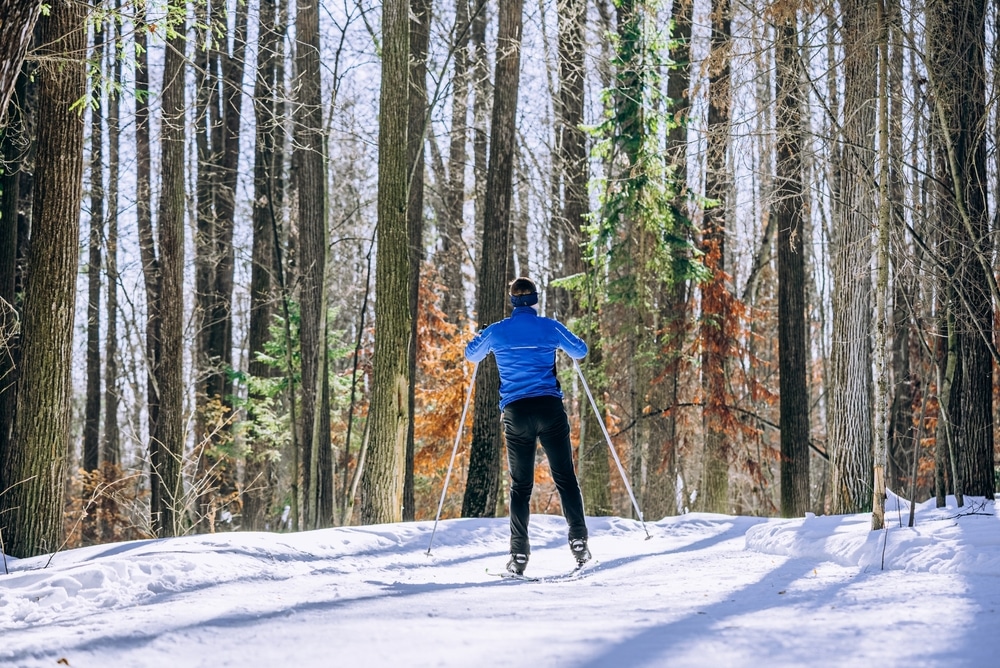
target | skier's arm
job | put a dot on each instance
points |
(479, 347)
(574, 346)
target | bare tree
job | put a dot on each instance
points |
(260, 473)
(92, 417)
(483, 485)
(382, 480)
(420, 18)
(850, 427)
(18, 19)
(111, 446)
(714, 492)
(788, 214)
(309, 168)
(957, 76)
(167, 433)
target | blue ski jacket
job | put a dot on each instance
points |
(525, 348)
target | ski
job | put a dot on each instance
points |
(505, 575)
(575, 574)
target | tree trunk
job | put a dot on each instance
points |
(851, 434)
(382, 481)
(956, 37)
(483, 484)
(111, 446)
(92, 410)
(480, 118)
(880, 335)
(450, 257)
(715, 476)
(420, 18)
(788, 210)
(309, 165)
(13, 152)
(19, 18)
(259, 489)
(32, 509)
(903, 446)
(592, 454)
(661, 489)
(206, 186)
(147, 252)
(167, 442)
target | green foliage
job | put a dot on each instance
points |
(639, 193)
(266, 396)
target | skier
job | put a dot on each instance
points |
(524, 345)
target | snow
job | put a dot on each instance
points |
(703, 590)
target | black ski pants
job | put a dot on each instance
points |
(527, 422)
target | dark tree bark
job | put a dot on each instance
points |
(167, 441)
(956, 36)
(450, 256)
(111, 446)
(483, 485)
(660, 498)
(309, 166)
(222, 102)
(714, 492)
(31, 511)
(788, 213)
(480, 117)
(18, 19)
(389, 417)
(14, 155)
(260, 475)
(420, 17)
(147, 252)
(906, 382)
(592, 456)
(92, 410)
(207, 134)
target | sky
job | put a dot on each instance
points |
(701, 590)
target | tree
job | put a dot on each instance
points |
(31, 510)
(420, 17)
(167, 432)
(788, 214)
(661, 490)
(957, 78)
(92, 419)
(13, 153)
(382, 481)
(483, 483)
(715, 306)
(850, 426)
(220, 100)
(309, 168)
(111, 447)
(259, 488)
(18, 19)
(592, 456)
(449, 258)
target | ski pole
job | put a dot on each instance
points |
(454, 451)
(614, 454)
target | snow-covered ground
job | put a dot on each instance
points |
(703, 590)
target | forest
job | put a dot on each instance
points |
(243, 244)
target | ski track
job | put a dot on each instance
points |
(704, 590)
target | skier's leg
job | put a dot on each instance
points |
(554, 436)
(519, 433)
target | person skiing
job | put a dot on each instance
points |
(524, 345)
